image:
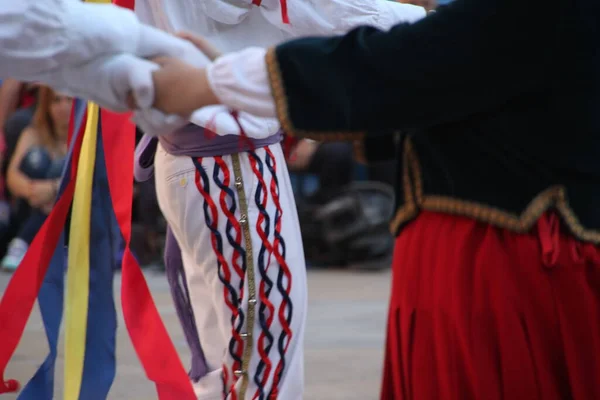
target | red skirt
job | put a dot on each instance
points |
(479, 312)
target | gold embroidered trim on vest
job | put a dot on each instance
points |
(415, 200)
(409, 208)
(281, 107)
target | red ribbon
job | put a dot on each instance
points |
(130, 4)
(289, 144)
(148, 334)
(146, 329)
(284, 11)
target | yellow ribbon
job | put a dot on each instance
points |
(78, 273)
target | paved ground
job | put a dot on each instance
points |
(344, 339)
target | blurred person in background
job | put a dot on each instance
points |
(332, 163)
(336, 231)
(148, 224)
(35, 168)
(10, 96)
(17, 105)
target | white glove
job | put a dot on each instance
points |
(108, 80)
(217, 118)
(105, 58)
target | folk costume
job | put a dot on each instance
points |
(491, 110)
(223, 187)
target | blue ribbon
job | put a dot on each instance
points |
(100, 364)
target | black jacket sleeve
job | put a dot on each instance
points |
(379, 146)
(469, 57)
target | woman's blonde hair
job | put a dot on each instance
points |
(42, 118)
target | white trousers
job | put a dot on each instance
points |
(235, 220)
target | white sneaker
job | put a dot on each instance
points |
(14, 254)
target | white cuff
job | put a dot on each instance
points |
(241, 81)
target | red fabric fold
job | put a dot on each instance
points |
(146, 329)
(480, 312)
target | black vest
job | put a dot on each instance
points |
(498, 102)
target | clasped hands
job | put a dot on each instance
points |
(179, 88)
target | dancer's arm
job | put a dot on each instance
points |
(462, 60)
(310, 17)
(40, 35)
(335, 17)
(79, 47)
(378, 146)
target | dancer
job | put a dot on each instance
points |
(496, 280)
(230, 205)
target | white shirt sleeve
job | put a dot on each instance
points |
(335, 17)
(84, 49)
(240, 81)
(39, 35)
